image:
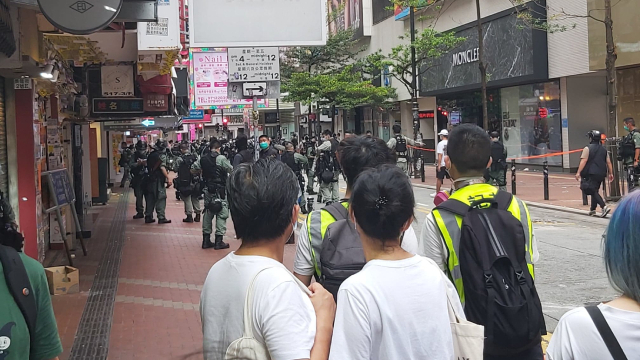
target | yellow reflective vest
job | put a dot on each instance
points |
(450, 226)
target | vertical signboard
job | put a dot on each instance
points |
(209, 80)
(165, 33)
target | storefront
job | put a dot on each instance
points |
(523, 105)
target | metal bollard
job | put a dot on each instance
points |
(422, 174)
(545, 172)
(513, 176)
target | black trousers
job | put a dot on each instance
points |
(596, 199)
(535, 353)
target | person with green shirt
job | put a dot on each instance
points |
(215, 170)
(16, 342)
(631, 156)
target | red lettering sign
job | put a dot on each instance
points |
(543, 113)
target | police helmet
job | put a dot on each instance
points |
(161, 144)
(141, 145)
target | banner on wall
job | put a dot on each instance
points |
(209, 80)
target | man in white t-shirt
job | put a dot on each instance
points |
(441, 152)
(290, 324)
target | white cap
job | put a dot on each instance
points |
(443, 132)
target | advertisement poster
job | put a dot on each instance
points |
(209, 77)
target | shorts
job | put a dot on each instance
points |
(442, 173)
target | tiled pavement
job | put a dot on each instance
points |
(163, 268)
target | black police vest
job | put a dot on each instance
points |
(497, 155)
(290, 159)
(211, 172)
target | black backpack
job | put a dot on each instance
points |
(185, 179)
(342, 254)
(401, 144)
(627, 147)
(20, 287)
(499, 291)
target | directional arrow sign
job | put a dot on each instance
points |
(147, 122)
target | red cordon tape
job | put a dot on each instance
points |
(519, 158)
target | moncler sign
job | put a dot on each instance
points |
(465, 57)
(80, 17)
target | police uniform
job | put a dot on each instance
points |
(440, 238)
(215, 179)
(402, 161)
(125, 163)
(311, 156)
(7, 215)
(629, 161)
(497, 172)
(156, 195)
(191, 202)
(297, 162)
(329, 192)
(138, 171)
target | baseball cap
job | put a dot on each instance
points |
(444, 132)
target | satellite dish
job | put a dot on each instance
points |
(80, 17)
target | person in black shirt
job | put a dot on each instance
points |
(593, 168)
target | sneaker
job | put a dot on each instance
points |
(433, 195)
(605, 211)
(592, 213)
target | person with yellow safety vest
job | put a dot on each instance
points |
(328, 246)
(483, 240)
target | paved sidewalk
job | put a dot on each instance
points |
(162, 270)
(564, 190)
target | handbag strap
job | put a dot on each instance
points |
(605, 332)
(248, 301)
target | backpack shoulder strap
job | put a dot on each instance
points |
(338, 211)
(19, 285)
(454, 206)
(503, 199)
(605, 332)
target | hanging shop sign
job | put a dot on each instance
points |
(156, 102)
(426, 114)
(254, 64)
(117, 80)
(118, 106)
(80, 17)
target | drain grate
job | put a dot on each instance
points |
(92, 337)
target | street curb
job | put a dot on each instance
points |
(530, 203)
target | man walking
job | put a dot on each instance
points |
(593, 168)
(215, 169)
(188, 183)
(441, 152)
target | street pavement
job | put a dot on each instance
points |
(155, 315)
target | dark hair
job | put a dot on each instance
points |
(11, 238)
(382, 201)
(494, 134)
(369, 132)
(261, 199)
(348, 132)
(630, 120)
(241, 142)
(469, 149)
(327, 132)
(359, 153)
(184, 146)
(263, 137)
(397, 129)
(214, 144)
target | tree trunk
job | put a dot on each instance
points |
(612, 95)
(483, 69)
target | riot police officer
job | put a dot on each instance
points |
(215, 169)
(138, 173)
(296, 162)
(125, 162)
(157, 184)
(310, 152)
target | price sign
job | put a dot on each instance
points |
(254, 64)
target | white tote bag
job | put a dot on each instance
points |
(468, 337)
(248, 347)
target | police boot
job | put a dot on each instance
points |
(206, 241)
(149, 220)
(197, 218)
(189, 219)
(138, 216)
(164, 221)
(219, 245)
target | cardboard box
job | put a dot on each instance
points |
(63, 280)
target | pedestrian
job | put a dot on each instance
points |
(348, 134)
(629, 152)
(310, 152)
(329, 248)
(156, 184)
(125, 162)
(215, 170)
(577, 337)
(296, 163)
(244, 154)
(441, 153)
(396, 307)
(251, 289)
(500, 248)
(399, 144)
(266, 149)
(28, 327)
(369, 134)
(327, 169)
(188, 183)
(139, 173)
(593, 169)
(496, 174)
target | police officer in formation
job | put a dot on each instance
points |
(327, 169)
(629, 152)
(157, 184)
(125, 162)
(215, 170)
(296, 162)
(138, 173)
(310, 152)
(188, 183)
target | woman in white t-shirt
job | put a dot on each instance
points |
(396, 307)
(576, 337)
(287, 322)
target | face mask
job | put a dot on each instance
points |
(263, 145)
(626, 127)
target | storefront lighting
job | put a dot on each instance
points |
(541, 97)
(54, 75)
(47, 72)
(547, 98)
